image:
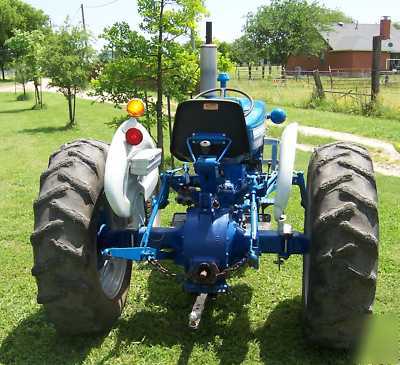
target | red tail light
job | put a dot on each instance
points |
(134, 136)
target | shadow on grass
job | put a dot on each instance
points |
(35, 341)
(45, 130)
(164, 323)
(282, 342)
(15, 111)
(225, 331)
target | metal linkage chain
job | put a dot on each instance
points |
(162, 269)
(232, 269)
(222, 275)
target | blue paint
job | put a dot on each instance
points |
(223, 78)
(132, 253)
(224, 198)
(277, 116)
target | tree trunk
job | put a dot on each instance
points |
(74, 108)
(23, 86)
(170, 128)
(146, 102)
(41, 95)
(159, 107)
(69, 98)
(37, 93)
(3, 71)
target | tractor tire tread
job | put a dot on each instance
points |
(67, 248)
(78, 144)
(85, 159)
(54, 193)
(39, 233)
(70, 213)
(65, 257)
(342, 220)
(80, 186)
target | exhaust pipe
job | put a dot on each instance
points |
(208, 62)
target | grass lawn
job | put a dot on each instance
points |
(381, 128)
(259, 323)
(297, 92)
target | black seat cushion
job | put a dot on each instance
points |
(209, 116)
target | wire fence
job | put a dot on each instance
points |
(343, 86)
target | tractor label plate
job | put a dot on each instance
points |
(211, 106)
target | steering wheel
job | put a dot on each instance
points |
(221, 91)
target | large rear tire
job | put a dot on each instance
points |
(339, 276)
(80, 291)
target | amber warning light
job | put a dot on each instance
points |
(135, 108)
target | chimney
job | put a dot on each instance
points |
(385, 27)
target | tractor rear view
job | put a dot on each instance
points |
(98, 211)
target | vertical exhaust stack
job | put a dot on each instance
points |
(208, 62)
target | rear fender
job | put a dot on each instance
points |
(125, 191)
(287, 157)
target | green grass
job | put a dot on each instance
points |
(259, 323)
(384, 129)
(380, 128)
(298, 95)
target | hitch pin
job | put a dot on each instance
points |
(197, 311)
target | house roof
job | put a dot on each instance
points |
(353, 37)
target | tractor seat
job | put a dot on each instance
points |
(219, 116)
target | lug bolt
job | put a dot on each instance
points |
(216, 204)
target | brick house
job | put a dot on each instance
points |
(349, 48)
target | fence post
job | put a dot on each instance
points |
(318, 85)
(283, 73)
(249, 72)
(376, 66)
(330, 75)
(263, 71)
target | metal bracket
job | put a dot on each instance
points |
(132, 253)
(197, 311)
(274, 143)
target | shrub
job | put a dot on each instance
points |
(23, 97)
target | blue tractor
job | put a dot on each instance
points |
(99, 208)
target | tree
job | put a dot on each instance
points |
(15, 15)
(67, 62)
(290, 27)
(26, 49)
(129, 69)
(244, 51)
(8, 22)
(225, 63)
(165, 21)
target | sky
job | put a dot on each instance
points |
(228, 16)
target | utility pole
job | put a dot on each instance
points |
(83, 18)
